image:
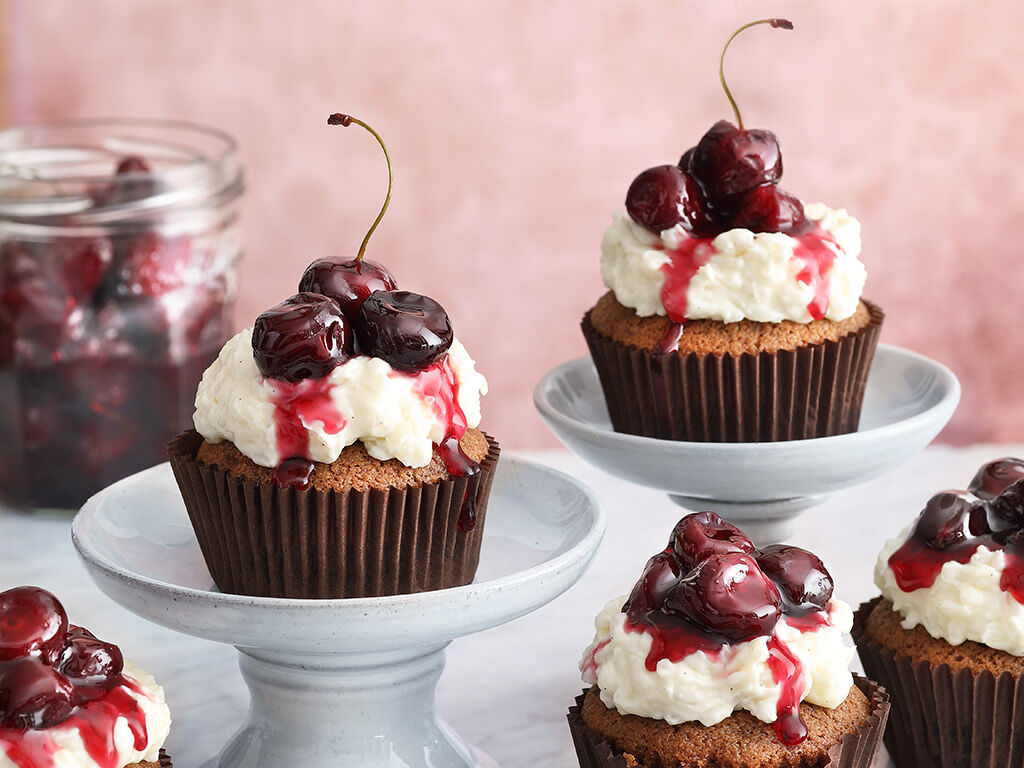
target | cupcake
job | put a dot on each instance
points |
(336, 451)
(946, 636)
(728, 656)
(734, 310)
(68, 699)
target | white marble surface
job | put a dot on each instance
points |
(505, 691)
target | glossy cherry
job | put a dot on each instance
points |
(803, 582)
(32, 623)
(407, 330)
(348, 282)
(729, 162)
(702, 534)
(1008, 507)
(769, 209)
(950, 519)
(661, 574)
(33, 695)
(728, 596)
(996, 476)
(88, 660)
(303, 337)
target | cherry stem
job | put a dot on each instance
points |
(775, 24)
(345, 120)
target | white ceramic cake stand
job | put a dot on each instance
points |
(762, 487)
(341, 683)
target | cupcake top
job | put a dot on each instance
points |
(715, 625)
(714, 237)
(958, 570)
(326, 368)
(350, 357)
(67, 698)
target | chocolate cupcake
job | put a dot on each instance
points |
(946, 636)
(68, 699)
(729, 656)
(734, 311)
(336, 450)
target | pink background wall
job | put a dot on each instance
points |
(516, 126)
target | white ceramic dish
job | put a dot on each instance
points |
(341, 682)
(761, 486)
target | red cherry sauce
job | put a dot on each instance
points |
(95, 722)
(788, 673)
(437, 386)
(588, 667)
(296, 405)
(815, 250)
(810, 622)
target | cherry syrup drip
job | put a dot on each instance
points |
(788, 673)
(814, 250)
(588, 667)
(294, 472)
(668, 343)
(711, 588)
(954, 524)
(296, 405)
(437, 386)
(94, 721)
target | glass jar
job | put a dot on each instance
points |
(119, 245)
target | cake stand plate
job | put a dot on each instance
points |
(341, 683)
(761, 487)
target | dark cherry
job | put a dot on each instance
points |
(1008, 507)
(728, 596)
(140, 184)
(655, 198)
(661, 197)
(33, 695)
(304, 337)
(702, 534)
(90, 661)
(407, 330)
(729, 162)
(996, 476)
(686, 161)
(151, 265)
(348, 282)
(32, 623)
(804, 584)
(769, 209)
(950, 519)
(661, 574)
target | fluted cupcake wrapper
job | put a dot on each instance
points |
(943, 718)
(165, 760)
(854, 750)
(258, 539)
(811, 391)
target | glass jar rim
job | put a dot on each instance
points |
(51, 170)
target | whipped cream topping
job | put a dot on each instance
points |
(63, 745)
(965, 602)
(766, 277)
(396, 415)
(708, 687)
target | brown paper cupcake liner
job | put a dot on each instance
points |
(854, 750)
(258, 539)
(811, 391)
(944, 718)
